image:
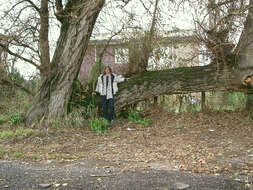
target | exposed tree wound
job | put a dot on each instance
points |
(248, 81)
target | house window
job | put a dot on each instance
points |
(204, 56)
(121, 56)
(162, 57)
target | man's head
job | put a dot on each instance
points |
(108, 70)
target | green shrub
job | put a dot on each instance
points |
(16, 118)
(100, 125)
(135, 118)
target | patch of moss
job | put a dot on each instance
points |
(162, 75)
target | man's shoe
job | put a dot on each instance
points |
(112, 122)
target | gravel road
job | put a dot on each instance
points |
(88, 175)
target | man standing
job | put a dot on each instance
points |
(107, 88)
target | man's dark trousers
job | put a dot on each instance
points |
(108, 104)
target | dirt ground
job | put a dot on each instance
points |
(211, 142)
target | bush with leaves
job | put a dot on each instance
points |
(16, 118)
(100, 125)
(134, 117)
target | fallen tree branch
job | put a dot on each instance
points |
(182, 80)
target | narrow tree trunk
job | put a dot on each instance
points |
(52, 99)
(43, 39)
(203, 101)
(155, 101)
(180, 103)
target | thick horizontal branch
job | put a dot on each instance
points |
(179, 81)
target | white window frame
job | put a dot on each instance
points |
(121, 55)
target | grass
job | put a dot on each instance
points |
(2, 153)
(18, 132)
(18, 155)
(34, 156)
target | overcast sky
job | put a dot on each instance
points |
(177, 19)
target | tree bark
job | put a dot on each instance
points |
(43, 39)
(52, 99)
(179, 81)
(203, 101)
(249, 103)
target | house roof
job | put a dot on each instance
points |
(175, 36)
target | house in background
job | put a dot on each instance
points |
(176, 49)
(112, 57)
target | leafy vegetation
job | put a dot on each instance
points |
(100, 125)
(16, 118)
(135, 118)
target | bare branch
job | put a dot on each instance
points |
(33, 5)
(145, 7)
(59, 10)
(20, 57)
(12, 83)
(109, 40)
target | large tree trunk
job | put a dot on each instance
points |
(52, 99)
(181, 80)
